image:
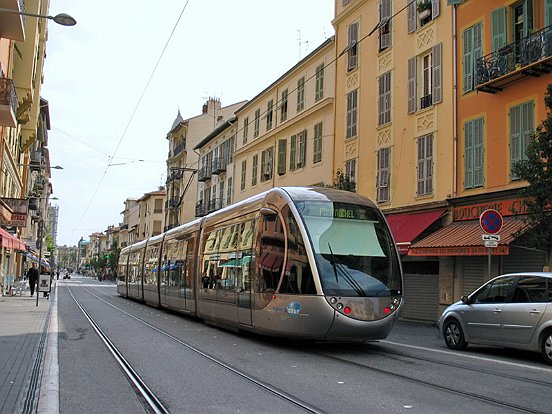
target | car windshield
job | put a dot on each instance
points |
(353, 249)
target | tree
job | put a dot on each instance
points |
(343, 182)
(536, 169)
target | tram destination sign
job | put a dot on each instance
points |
(337, 210)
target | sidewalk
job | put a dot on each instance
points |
(23, 335)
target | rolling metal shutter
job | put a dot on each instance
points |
(473, 274)
(523, 260)
(421, 297)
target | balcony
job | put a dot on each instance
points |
(178, 149)
(204, 174)
(8, 102)
(219, 165)
(176, 174)
(426, 101)
(200, 209)
(173, 202)
(214, 205)
(530, 56)
(12, 25)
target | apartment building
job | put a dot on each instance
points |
(183, 162)
(151, 213)
(503, 61)
(285, 133)
(394, 105)
(216, 171)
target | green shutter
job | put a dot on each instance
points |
(437, 94)
(468, 155)
(412, 98)
(478, 153)
(498, 28)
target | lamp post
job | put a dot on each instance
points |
(61, 18)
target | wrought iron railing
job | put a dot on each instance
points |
(524, 52)
(204, 173)
(200, 209)
(219, 165)
(426, 101)
(8, 96)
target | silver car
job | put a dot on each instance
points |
(513, 311)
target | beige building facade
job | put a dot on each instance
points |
(151, 214)
(183, 162)
(285, 133)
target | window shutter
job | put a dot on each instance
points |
(412, 17)
(385, 30)
(547, 13)
(435, 9)
(468, 59)
(282, 144)
(478, 153)
(515, 134)
(468, 155)
(498, 28)
(437, 93)
(412, 98)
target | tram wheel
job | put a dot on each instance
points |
(454, 335)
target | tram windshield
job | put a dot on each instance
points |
(353, 247)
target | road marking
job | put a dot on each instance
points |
(49, 387)
(464, 355)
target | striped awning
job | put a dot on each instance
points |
(465, 239)
(9, 241)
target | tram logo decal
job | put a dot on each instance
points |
(294, 308)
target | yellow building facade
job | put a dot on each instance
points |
(394, 123)
(285, 133)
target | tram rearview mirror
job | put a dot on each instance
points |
(268, 212)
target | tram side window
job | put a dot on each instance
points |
(134, 266)
(227, 263)
(298, 277)
(244, 256)
(121, 274)
(173, 262)
(210, 270)
(271, 252)
(150, 265)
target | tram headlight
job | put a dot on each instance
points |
(333, 301)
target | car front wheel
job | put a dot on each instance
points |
(454, 335)
(546, 347)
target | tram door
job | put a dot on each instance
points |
(243, 271)
(172, 288)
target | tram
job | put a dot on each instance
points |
(299, 262)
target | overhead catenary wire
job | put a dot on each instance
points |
(136, 106)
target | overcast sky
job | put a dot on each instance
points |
(103, 111)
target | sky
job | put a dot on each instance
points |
(116, 81)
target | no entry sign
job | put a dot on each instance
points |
(490, 221)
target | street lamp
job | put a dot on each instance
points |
(61, 18)
(55, 167)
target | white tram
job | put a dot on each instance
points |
(301, 262)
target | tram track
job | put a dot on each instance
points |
(445, 388)
(146, 394)
(410, 378)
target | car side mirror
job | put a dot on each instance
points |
(465, 300)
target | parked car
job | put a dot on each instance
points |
(512, 311)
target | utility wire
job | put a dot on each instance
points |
(111, 157)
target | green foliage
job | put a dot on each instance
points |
(343, 182)
(536, 169)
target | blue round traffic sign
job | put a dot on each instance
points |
(491, 221)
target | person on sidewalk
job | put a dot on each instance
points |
(32, 275)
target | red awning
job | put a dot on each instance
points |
(407, 226)
(9, 241)
(464, 239)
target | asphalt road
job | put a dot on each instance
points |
(196, 368)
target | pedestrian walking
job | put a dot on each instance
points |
(32, 275)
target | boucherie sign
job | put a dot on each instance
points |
(504, 207)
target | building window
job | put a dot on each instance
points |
(430, 86)
(221, 193)
(383, 175)
(384, 99)
(245, 129)
(300, 94)
(292, 152)
(256, 126)
(317, 144)
(282, 153)
(425, 165)
(284, 106)
(350, 170)
(385, 28)
(302, 149)
(229, 192)
(243, 172)
(474, 153)
(266, 164)
(521, 127)
(255, 169)
(269, 107)
(352, 106)
(352, 46)
(319, 87)
(471, 51)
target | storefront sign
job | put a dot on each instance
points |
(501, 250)
(506, 208)
(19, 208)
